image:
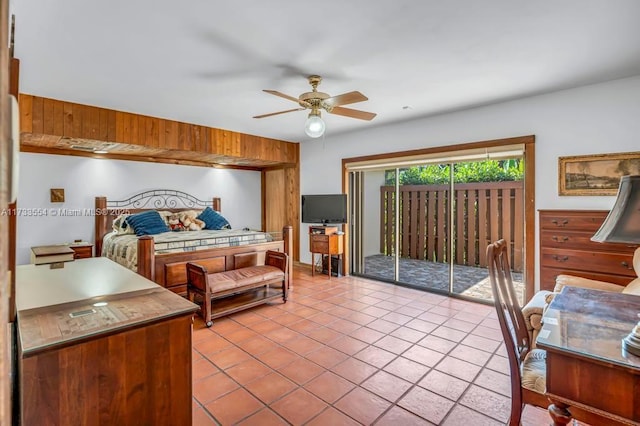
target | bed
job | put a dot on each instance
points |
(163, 257)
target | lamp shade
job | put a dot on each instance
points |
(622, 225)
(314, 127)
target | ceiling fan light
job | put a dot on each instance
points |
(314, 127)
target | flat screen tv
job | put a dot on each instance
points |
(324, 208)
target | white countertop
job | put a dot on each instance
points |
(39, 285)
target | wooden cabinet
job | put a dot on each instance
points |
(566, 247)
(99, 344)
(325, 240)
(82, 250)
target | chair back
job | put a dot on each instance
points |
(512, 324)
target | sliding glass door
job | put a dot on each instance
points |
(488, 204)
(373, 245)
(428, 225)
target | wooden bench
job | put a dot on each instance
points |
(223, 293)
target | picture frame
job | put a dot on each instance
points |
(597, 174)
(57, 195)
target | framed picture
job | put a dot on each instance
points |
(595, 174)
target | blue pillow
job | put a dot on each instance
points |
(213, 219)
(147, 223)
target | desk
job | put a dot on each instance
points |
(100, 344)
(586, 367)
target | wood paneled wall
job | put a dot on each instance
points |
(281, 202)
(67, 120)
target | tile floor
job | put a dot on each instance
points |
(353, 351)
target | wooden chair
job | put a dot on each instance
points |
(527, 365)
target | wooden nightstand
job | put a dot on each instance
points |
(82, 250)
(325, 240)
(61, 252)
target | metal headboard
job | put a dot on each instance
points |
(159, 199)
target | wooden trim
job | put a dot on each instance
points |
(100, 223)
(146, 257)
(443, 148)
(287, 236)
(124, 157)
(263, 200)
(346, 252)
(529, 217)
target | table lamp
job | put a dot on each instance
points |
(622, 225)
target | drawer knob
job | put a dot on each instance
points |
(560, 258)
(562, 239)
(563, 222)
(626, 264)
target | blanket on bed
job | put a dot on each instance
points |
(123, 248)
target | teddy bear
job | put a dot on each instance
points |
(191, 222)
(174, 223)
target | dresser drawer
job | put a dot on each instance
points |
(320, 246)
(319, 243)
(587, 221)
(600, 262)
(326, 244)
(576, 240)
(82, 252)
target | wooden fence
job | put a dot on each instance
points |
(483, 212)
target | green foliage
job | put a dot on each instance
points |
(480, 171)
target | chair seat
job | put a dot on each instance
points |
(534, 371)
(242, 277)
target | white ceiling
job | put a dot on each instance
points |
(206, 62)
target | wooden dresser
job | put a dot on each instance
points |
(100, 344)
(566, 247)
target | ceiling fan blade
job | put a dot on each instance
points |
(345, 98)
(279, 112)
(353, 113)
(291, 98)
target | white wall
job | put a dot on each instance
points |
(85, 178)
(601, 118)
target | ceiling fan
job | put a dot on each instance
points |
(317, 101)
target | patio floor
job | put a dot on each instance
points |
(469, 281)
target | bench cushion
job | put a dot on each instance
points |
(236, 278)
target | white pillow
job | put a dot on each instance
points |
(120, 227)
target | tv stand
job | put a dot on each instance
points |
(323, 230)
(325, 240)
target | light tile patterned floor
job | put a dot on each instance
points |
(353, 351)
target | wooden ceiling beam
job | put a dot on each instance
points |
(47, 125)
